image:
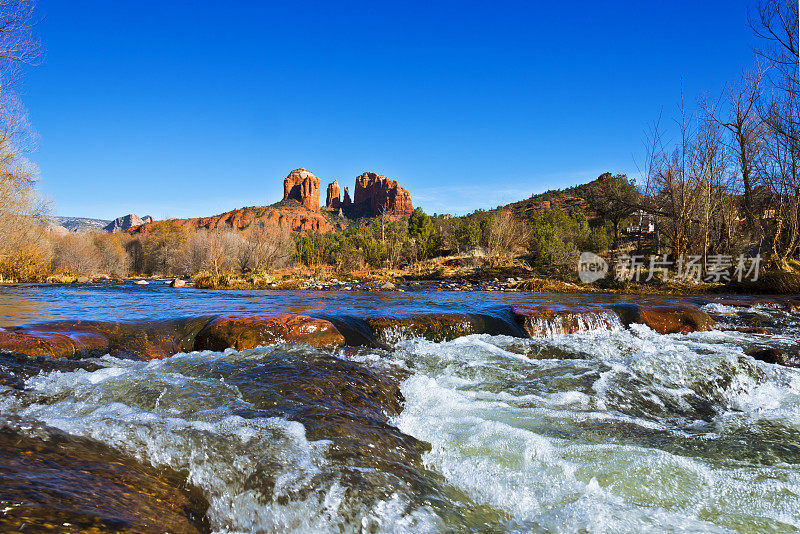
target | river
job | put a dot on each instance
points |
(618, 429)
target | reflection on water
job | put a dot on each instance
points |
(18, 306)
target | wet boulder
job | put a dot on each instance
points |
(249, 331)
(665, 319)
(150, 340)
(431, 326)
(53, 482)
(144, 340)
(54, 344)
(549, 320)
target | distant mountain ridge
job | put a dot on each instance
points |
(81, 224)
(84, 224)
(300, 209)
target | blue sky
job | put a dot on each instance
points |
(182, 108)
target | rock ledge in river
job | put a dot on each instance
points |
(249, 331)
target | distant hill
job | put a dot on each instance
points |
(569, 199)
(81, 224)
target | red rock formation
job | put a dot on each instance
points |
(346, 203)
(302, 186)
(297, 219)
(376, 195)
(332, 197)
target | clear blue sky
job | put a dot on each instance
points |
(179, 108)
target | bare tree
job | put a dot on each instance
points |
(743, 121)
(507, 234)
(264, 247)
(76, 254)
(22, 211)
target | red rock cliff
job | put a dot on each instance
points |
(375, 194)
(303, 187)
(297, 219)
(332, 200)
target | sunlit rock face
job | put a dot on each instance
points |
(679, 318)
(302, 186)
(376, 195)
(249, 331)
(332, 199)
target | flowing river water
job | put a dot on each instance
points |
(614, 429)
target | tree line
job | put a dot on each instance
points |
(730, 181)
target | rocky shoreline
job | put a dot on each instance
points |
(148, 340)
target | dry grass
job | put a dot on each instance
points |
(233, 281)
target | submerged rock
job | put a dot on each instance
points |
(776, 356)
(59, 483)
(777, 303)
(248, 331)
(145, 340)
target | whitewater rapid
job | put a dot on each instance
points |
(621, 430)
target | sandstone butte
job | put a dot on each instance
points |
(332, 200)
(374, 195)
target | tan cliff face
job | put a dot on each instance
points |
(303, 187)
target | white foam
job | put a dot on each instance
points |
(523, 452)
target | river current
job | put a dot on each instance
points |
(611, 430)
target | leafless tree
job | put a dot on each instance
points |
(76, 254)
(22, 211)
(507, 234)
(745, 126)
(264, 247)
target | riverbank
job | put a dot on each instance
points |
(453, 274)
(505, 278)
